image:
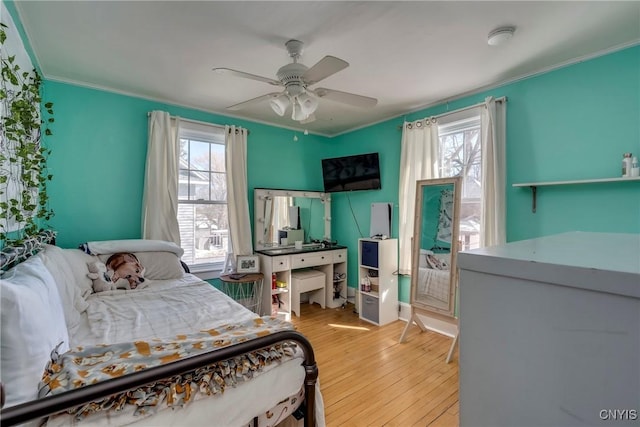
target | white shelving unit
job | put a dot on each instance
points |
(378, 257)
(534, 185)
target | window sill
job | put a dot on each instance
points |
(205, 273)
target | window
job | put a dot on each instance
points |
(202, 197)
(461, 154)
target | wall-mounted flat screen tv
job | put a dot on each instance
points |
(359, 172)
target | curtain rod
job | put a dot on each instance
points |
(479, 104)
(199, 122)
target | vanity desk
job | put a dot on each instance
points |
(308, 213)
(284, 262)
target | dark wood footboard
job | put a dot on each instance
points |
(53, 404)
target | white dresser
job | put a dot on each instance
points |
(550, 332)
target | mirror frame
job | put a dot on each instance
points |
(259, 197)
(455, 234)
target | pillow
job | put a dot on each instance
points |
(157, 265)
(32, 325)
(445, 260)
(132, 246)
(77, 261)
(423, 258)
(71, 296)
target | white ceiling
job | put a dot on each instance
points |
(408, 55)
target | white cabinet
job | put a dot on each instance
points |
(378, 267)
(332, 262)
(550, 331)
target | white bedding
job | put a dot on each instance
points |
(158, 311)
(169, 307)
(434, 283)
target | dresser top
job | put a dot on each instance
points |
(599, 261)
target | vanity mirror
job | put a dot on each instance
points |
(282, 217)
(434, 251)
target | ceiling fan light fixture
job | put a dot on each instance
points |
(298, 114)
(296, 79)
(279, 104)
(308, 104)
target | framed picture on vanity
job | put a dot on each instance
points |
(248, 264)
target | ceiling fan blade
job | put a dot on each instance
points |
(346, 97)
(252, 101)
(324, 68)
(237, 73)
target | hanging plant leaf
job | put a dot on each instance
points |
(23, 166)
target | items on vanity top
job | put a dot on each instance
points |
(290, 236)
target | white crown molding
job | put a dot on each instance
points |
(475, 91)
(170, 102)
(502, 83)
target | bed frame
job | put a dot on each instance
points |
(53, 404)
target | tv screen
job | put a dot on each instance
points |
(359, 172)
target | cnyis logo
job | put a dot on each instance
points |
(619, 414)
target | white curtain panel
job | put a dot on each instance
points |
(418, 160)
(493, 210)
(237, 190)
(160, 197)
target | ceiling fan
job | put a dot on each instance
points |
(296, 78)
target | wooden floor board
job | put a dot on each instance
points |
(368, 378)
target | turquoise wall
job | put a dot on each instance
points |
(571, 123)
(98, 159)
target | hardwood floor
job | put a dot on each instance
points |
(367, 378)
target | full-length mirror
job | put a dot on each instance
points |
(434, 250)
(283, 217)
(433, 272)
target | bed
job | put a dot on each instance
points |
(433, 277)
(175, 351)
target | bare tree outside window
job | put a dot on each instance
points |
(461, 154)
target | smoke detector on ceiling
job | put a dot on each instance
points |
(500, 35)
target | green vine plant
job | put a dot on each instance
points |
(24, 203)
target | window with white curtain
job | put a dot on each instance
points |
(460, 148)
(202, 196)
(470, 143)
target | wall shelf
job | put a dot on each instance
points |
(534, 185)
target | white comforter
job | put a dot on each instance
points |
(168, 307)
(162, 308)
(434, 283)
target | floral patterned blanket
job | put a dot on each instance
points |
(88, 365)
